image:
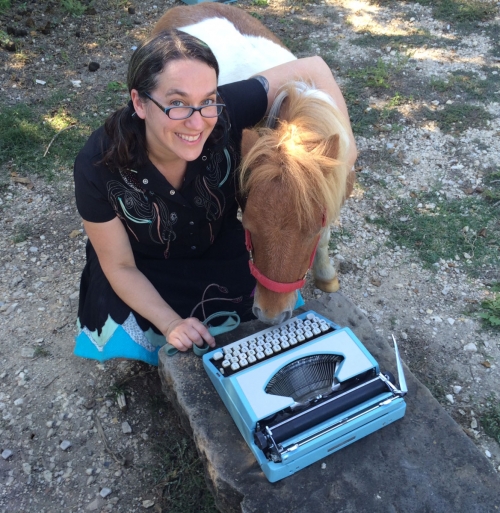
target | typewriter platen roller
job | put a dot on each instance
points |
(303, 390)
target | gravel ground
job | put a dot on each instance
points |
(66, 444)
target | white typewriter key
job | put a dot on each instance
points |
(235, 366)
(226, 364)
(218, 356)
(300, 330)
(314, 324)
(237, 352)
(251, 359)
(252, 345)
(234, 359)
(310, 316)
(300, 337)
(276, 348)
(268, 338)
(285, 345)
(244, 362)
(323, 326)
(260, 337)
(268, 351)
(307, 323)
(251, 351)
(308, 334)
(268, 345)
(284, 338)
(316, 331)
(260, 355)
(292, 341)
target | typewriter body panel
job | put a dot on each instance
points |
(308, 396)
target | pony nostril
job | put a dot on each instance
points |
(257, 312)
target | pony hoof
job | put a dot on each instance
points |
(328, 286)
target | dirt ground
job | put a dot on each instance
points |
(67, 445)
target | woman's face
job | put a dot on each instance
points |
(181, 83)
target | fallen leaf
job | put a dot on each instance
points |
(376, 282)
(482, 232)
(20, 179)
(486, 364)
(74, 234)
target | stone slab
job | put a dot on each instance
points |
(422, 463)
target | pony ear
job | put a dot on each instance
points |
(332, 146)
(248, 140)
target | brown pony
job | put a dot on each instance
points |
(294, 174)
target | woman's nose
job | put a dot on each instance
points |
(195, 120)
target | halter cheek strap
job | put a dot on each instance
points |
(277, 286)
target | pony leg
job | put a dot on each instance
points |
(325, 277)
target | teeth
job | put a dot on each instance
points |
(189, 138)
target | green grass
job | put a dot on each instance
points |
(22, 231)
(74, 7)
(458, 117)
(461, 11)
(4, 5)
(468, 85)
(491, 309)
(415, 39)
(490, 419)
(373, 76)
(450, 228)
(25, 135)
(181, 476)
(26, 131)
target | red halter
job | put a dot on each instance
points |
(277, 286)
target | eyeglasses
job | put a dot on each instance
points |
(207, 111)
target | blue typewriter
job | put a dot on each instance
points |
(302, 390)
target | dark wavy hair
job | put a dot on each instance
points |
(127, 148)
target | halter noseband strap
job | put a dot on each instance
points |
(277, 286)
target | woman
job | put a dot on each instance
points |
(157, 192)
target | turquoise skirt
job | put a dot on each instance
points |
(126, 340)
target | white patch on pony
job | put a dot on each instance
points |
(239, 56)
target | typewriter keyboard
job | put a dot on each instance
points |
(269, 342)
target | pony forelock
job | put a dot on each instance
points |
(296, 154)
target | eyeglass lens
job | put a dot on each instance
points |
(207, 111)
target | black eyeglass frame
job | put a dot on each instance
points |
(166, 110)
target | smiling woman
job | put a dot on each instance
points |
(157, 190)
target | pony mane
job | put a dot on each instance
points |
(297, 153)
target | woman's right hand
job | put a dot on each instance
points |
(183, 333)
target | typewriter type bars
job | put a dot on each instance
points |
(302, 390)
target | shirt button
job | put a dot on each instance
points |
(193, 247)
(172, 192)
(191, 223)
(204, 158)
(145, 181)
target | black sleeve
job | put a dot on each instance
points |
(90, 182)
(246, 102)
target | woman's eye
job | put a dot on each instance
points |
(176, 103)
(209, 101)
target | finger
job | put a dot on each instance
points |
(202, 334)
(180, 341)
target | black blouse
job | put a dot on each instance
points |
(163, 222)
